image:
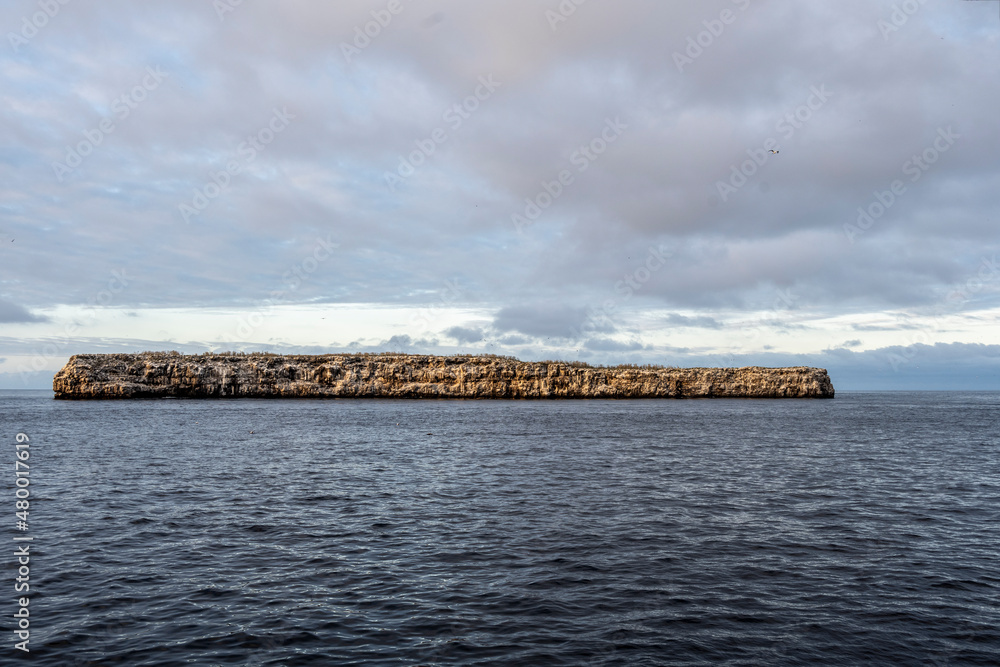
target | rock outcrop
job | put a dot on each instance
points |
(234, 375)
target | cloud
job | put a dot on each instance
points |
(309, 216)
(324, 174)
(897, 326)
(465, 335)
(610, 345)
(546, 320)
(401, 343)
(701, 321)
(12, 313)
(434, 19)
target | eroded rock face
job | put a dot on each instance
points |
(169, 374)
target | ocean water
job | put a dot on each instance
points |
(859, 530)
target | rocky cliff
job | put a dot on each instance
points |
(169, 374)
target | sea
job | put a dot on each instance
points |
(863, 530)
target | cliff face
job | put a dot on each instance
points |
(169, 374)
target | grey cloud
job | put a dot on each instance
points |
(547, 320)
(12, 313)
(434, 19)
(465, 335)
(558, 89)
(398, 344)
(701, 322)
(881, 327)
(611, 345)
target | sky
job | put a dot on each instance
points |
(545, 179)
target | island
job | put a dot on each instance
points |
(391, 375)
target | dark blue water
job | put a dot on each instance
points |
(862, 530)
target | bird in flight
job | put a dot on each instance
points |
(774, 151)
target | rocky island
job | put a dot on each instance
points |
(390, 375)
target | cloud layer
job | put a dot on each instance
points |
(530, 177)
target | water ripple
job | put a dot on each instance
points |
(854, 531)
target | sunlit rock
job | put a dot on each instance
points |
(389, 375)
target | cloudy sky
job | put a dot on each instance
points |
(573, 180)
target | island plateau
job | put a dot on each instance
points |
(390, 375)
